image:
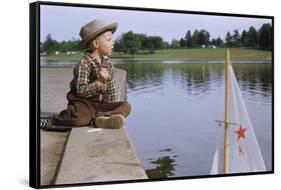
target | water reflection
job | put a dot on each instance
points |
(144, 77)
(197, 78)
(254, 78)
(164, 166)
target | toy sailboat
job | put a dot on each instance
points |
(237, 149)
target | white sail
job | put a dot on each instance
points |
(242, 150)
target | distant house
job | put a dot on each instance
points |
(213, 46)
(203, 46)
(71, 52)
(57, 52)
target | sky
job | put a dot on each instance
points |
(64, 23)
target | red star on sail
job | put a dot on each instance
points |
(240, 132)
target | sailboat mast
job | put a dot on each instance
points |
(227, 60)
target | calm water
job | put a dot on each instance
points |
(174, 105)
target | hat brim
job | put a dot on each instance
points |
(112, 27)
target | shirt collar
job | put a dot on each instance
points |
(93, 60)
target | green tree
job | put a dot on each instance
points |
(213, 42)
(175, 44)
(143, 40)
(264, 37)
(182, 43)
(165, 45)
(236, 39)
(131, 43)
(65, 46)
(153, 43)
(74, 44)
(217, 42)
(228, 40)
(68, 46)
(203, 38)
(50, 46)
(188, 39)
(194, 38)
(118, 46)
(243, 38)
(252, 38)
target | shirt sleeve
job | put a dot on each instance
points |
(85, 89)
(111, 86)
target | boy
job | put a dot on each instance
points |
(92, 98)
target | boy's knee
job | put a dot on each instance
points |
(76, 114)
(127, 107)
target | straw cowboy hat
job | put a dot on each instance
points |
(93, 29)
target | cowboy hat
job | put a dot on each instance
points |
(94, 28)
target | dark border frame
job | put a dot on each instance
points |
(34, 91)
(34, 97)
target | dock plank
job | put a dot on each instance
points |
(105, 150)
(107, 155)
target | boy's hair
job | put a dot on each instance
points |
(90, 46)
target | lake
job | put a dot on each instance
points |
(174, 108)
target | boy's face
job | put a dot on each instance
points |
(105, 43)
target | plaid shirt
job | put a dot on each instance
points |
(86, 73)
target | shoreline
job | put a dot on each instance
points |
(69, 63)
(174, 59)
(175, 54)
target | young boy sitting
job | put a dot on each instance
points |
(92, 99)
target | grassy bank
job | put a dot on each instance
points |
(181, 54)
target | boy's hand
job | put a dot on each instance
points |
(103, 74)
(100, 85)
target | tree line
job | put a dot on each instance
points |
(251, 38)
(131, 43)
(50, 46)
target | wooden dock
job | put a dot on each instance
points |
(81, 155)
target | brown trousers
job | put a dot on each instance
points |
(80, 112)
